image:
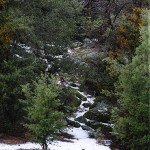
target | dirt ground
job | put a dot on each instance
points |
(13, 139)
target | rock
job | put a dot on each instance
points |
(100, 104)
(73, 123)
(87, 105)
(81, 119)
(81, 97)
(88, 43)
(78, 44)
(73, 84)
(92, 135)
(103, 107)
(105, 129)
(93, 105)
(87, 128)
(103, 141)
(97, 116)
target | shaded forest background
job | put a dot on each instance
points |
(34, 33)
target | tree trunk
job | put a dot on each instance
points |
(44, 146)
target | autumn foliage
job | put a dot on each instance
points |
(5, 29)
(5, 35)
(127, 34)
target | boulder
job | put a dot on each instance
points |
(103, 107)
(105, 129)
(87, 128)
(73, 84)
(80, 96)
(91, 131)
(81, 119)
(87, 105)
(73, 123)
(97, 116)
(101, 103)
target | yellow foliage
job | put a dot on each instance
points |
(134, 18)
(145, 2)
(122, 29)
(122, 41)
(5, 35)
(128, 32)
(137, 10)
(115, 54)
(2, 3)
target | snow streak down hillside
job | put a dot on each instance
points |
(81, 139)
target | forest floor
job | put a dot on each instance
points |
(12, 140)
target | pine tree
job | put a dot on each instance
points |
(45, 121)
(131, 117)
(16, 65)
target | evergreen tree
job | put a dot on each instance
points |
(17, 66)
(45, 121)
(131, 117)
(46, 27)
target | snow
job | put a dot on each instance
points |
(48, 67)
(19, 146)
(58, 56)
(80, 142)
(69, 51)
(76, 88)
(78, 133)
(82, 110)
(18, 56)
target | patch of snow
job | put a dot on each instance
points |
(58, 56)
(78, 133)
(24, 46)
(19, 146)
(71, 118)
(48, 67)
(76, 88)
(79, 114)
(83, 93)
(108, 124)
(69, 51)
(82, 110)
(50, 45)
(77, 84)
(81, 141)
(87, 144)
(29, 51)
(91, 100)
(103, 110)
(45, 60)
(59, 82)
(18, 56)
